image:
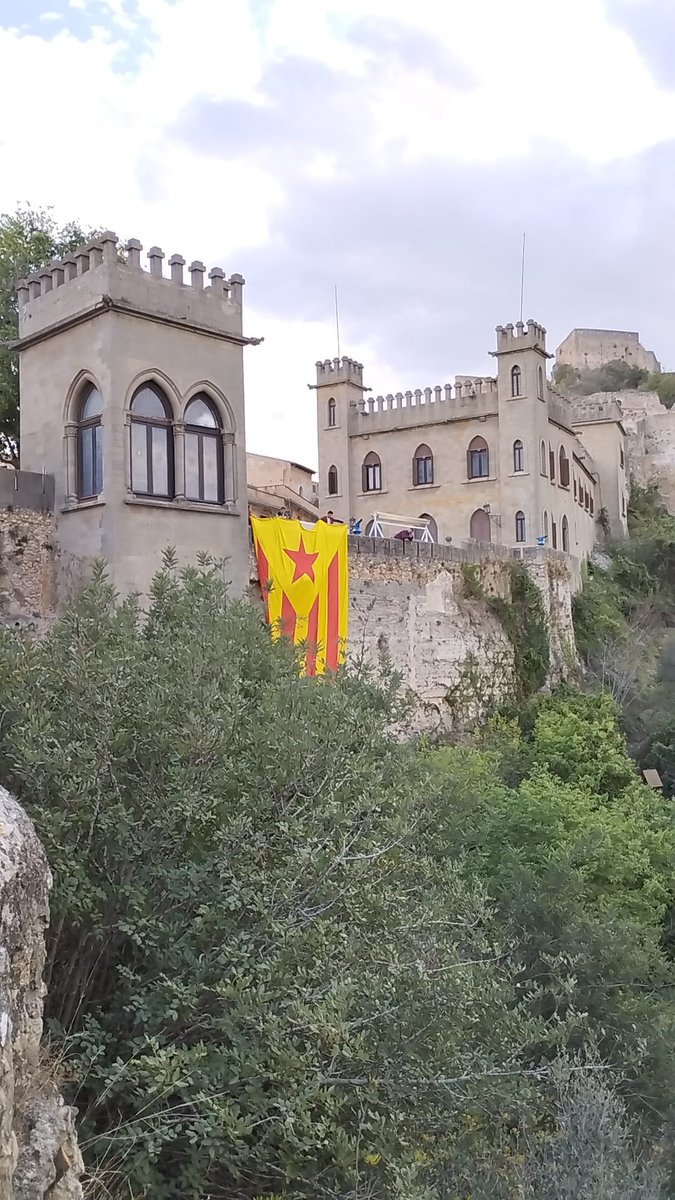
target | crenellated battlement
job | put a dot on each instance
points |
(97, 273)
(339, 370)
(468, 397)
(520, 336)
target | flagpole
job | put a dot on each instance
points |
(522, 280)
(337, 321)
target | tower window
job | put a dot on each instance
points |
(332, 416)
(516, 381)
(518, 456)
(540, 383)
(564, 468)
(565, 531)
(90, 445)
(543, 463)
(151, 443)
(332, 481)
(372, 473)
(551, 464)
(478, 459)
(203, 452)
(622, 458)
(423, 466)
(520, 526)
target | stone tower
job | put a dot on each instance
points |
(339, 398)
(523, 418)
(132, 397)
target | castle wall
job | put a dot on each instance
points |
(28, 552)
(450, 649)
(650, 442)
(591, 348)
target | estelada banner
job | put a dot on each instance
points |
(304, 581)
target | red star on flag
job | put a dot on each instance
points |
(303, 562)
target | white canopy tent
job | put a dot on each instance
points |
(392, 524)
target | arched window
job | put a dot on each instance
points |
(565, 532)
(518, 456)
(520, 526)
(540, 384)
(151, 442)
(564, 468)
(516, 381)
(478, 459)
(554, 535)
(587, 500)
(331, 413)
(431, 525)
(90, 445)
(545, 525)
(332, 481)
(575, 487)
(543, 458)
(372, 473)
(551, 464)
(423, 466)
(479, 525)
(203, 452)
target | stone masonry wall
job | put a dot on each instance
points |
(450, 648)
(27, 567)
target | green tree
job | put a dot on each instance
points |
(29, 239)
(579, 857)
(663, 383)
(267, 979)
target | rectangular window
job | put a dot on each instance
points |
(373, 478)
(139, 458)
(192, 466)
(424, 470)
(478, 464)
(160, 461)
(622, 459)
(210, 453)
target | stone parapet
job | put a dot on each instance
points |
(99, 275)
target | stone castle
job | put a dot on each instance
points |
(133, 439)
(502, 459)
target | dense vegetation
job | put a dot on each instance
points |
(29, 239)
(291, 956)
(614, 376)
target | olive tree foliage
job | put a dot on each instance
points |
(595, 1152)
(29, 239)
(265, 981)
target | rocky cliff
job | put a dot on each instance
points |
(39, 1156)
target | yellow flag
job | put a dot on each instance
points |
(303, 576)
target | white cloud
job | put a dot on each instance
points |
(101, 145)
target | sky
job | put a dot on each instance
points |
(395, 151)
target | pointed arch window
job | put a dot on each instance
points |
(554, 535)
(564, 464)
(332, 481)
(516, 381)
(204, 467)
(332, 413)
(551, 464)
(518, 456)
(545, 526)
(520, 526)
(372, 473)
(431, 526)
(151, 442)
(540, 383)
(478, 459)
(90, 444)
(423, 466)
(565, 534)
(543, 458)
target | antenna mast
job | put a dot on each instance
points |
(522, 279)
(337, 321)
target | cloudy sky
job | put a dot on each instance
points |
(395, 150)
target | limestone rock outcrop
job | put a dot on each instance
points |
(39, 1155)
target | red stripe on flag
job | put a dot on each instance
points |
(312, 638)
(264, 577)
(333, 615)
(288, 618)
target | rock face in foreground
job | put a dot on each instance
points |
(39, 1156)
